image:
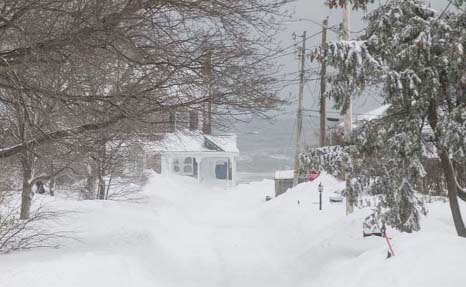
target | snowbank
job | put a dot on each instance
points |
(186, 234)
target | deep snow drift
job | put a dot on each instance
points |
(186, 234)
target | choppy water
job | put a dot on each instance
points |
(268, 145)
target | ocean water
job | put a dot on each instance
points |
(268, 145)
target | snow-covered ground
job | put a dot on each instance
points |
(185, 234)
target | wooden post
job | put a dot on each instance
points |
(233, 171)
(299, 125)
(199, 161)
(323, 71)
(348, 115)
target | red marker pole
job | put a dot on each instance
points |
(389, 245)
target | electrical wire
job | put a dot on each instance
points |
(331, 28)
(277, 54)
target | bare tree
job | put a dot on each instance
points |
(156, 46)
(74, 66)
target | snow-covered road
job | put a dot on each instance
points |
(215, 237)
(184, 234)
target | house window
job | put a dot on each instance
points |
(184, 166)
(188, 166)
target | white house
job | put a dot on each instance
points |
(208, 158)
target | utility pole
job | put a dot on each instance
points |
(207, 111)
(323, 72)
(348, 116)
(349, 110)
(299, 126)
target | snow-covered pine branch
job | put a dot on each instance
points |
(356, 69)
(419, 58)
(329, 158)
(369, 170)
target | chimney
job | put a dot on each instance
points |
(172, 121)
(193, 120)
(206, 127)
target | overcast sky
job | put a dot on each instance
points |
(316, 10)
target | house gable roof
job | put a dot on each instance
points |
(193, 141)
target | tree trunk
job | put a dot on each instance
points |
(101, 171)
(460, 168)
(450, 176)
(452, 193)
(101, 192)
(108, 187)
(350, 200)
(52, 186)
(52, 180)
(26, 193)
(91, 181)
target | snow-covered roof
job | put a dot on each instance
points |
(379, 113)
(372, 115)
(368, 116)
(225, 142)
(194, 141)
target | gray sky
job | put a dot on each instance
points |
(316, 10)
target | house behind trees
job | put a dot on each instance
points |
(208, 158)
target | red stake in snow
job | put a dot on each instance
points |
(388, 243)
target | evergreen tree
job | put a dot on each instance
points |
(416, 54)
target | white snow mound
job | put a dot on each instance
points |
(187, 234)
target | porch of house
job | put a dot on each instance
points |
(218, 168)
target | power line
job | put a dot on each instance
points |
(277, 53)
(297, 72)
(331, 28)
